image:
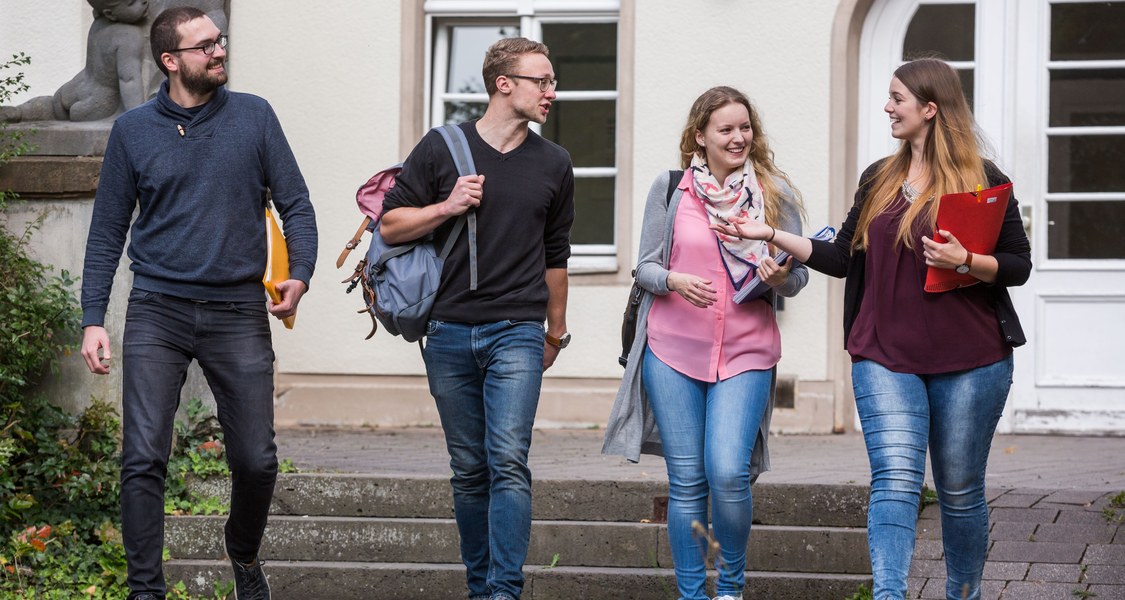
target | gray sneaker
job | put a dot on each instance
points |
(250, 582)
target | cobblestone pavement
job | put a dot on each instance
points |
(1057, 532)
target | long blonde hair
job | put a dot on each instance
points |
(760, 154)
(952, 151)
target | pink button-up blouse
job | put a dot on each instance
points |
(715, 343)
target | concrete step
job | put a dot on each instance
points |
(349, 495)
(576, 543)
(410, 581)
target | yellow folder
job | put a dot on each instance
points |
(277, 263)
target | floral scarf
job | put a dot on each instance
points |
(740, 195)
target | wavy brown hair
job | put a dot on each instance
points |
(760, 154)
(952, 151)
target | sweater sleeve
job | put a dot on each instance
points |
(832, 258)
(1013, 250)
(791, 222)
(652, 275)
(291, 196)
(114, 202)
(560, 218)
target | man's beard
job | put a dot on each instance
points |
(201, 83)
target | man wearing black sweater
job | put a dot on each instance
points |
(198, 161)
(486, 348)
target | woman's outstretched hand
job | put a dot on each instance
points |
(742, 227)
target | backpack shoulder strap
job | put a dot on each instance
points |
(674, 178)
(462, 157)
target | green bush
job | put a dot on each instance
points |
(39, 318)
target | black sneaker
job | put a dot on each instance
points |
(250, 582)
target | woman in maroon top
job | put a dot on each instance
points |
(929, 369)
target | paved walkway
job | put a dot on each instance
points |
(1057, 533)
(1052, 462)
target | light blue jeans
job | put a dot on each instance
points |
(955, 415)
(708, 432)
(486, 379)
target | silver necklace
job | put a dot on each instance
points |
(910, 193)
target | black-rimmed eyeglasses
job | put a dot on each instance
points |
(208, 48)
(544, 83)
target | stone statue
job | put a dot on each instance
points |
(111, 81)
(120, 71)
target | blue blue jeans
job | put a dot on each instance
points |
(485, 379)
(232, 342)
(708, 432)
(955, 415)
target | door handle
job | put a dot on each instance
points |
(1025, 216)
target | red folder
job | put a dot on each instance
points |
(974, 218)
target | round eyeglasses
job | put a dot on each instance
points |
(208, 48)
(544, 83)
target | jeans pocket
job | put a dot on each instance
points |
(518, 322)
(432, 327)
(136, 295)
(249, 309)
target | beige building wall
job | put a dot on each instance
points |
(335, 77)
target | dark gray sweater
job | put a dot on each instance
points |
(200, 180)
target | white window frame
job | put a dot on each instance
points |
(530, 15)
(1038, 83)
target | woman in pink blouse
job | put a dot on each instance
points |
(706, 364)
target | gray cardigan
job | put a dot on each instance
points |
(631, 430)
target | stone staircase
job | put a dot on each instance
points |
(369, 537)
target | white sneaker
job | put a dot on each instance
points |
(728, 597)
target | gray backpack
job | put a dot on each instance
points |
(400, 281)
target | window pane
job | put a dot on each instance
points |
(1086, 229)
(945, 29)
(967, 84)
(1086, 163)
(593, 211)
(467, 46)
(1088, 31)
(586, 128)
(1083, 97)
(584, 54)
(459, 112)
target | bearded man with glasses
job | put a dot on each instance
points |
(486, 347)
(199, 162)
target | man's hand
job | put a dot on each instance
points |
(465, 196)
(95, 349)
(290, 291)
(550, 353)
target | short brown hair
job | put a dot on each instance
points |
(503, 56)
(163, 36)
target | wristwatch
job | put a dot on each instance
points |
(964, 269)
(558, 342)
